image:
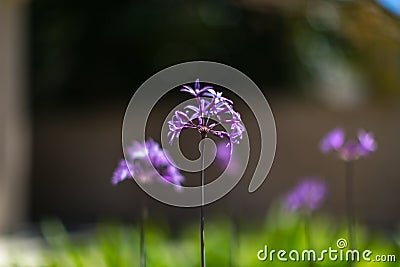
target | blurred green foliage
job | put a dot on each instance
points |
(114, 244)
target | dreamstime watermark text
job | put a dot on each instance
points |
(334, 254)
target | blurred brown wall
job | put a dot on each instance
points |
(75, 154)
(14, 125)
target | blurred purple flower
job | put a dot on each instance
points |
(227, 159)
(223, 154)
(147, 162)
(121, 172)
(308, 195)
(333, 140)
(367, 142)
(211, 106)
(351, 149)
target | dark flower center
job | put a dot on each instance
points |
(204, 130)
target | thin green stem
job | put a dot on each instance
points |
(350, 202)
(143, 218)
(233, 241)
(202, 247)
(307, 221)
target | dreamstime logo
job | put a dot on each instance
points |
(340, 253)
(341, 243)
(152, 90)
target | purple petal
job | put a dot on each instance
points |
(220, 134)
(182, 116)
(332, 141)
(193, 108)
(367, 141)
(189, 90)
(197, 84)
(121, 173)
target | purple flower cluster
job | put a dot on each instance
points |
(351, 149)
(308, 195)
(211, 106)
(147, 162)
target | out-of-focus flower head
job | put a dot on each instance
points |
(224, 154)
(351, 149)
(147, 163)
(121, 172)
(227, 159)
(308, 195)
(367, 142)
(211, 106)
(333, 140)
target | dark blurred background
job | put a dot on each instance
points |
(69, 69)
